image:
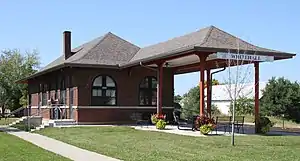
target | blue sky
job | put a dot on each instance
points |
(39, 25)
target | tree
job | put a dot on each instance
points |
(281, 97)
(244, 106)
(15, 66)
(191, 100)
(177, 98)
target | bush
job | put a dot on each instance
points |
(214, 110)
(156, 117)
(203, 120)
(205, 129)
(264, 125)
(161, 124)
(23, 127)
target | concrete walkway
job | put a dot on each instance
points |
(58, 147)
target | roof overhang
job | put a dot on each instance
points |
(186, 52)
(25, 80)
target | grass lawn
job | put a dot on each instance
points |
(13, 148)
(7, 121)
(278, 122)
(129, 144)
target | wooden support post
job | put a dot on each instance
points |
(159, 88)
(208, 87)
(202, 58)
(256, 96)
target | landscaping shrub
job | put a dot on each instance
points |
(264, 124)
(156, 117)
(23, 127)
(205, 124)
(161, 124)
(205, 129)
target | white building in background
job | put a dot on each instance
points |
(6, 110)
(221, 94)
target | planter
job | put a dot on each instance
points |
(161, 124)
(206, 129)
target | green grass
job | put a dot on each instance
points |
(136, 145)
(23, 127)
(13, 148)
(278, 122)
(7, 121)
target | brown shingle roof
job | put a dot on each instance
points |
(111, 50)
(107, 50)
(207, 39)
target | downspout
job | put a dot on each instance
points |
(211, 80)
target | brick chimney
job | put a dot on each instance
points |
(67, 44)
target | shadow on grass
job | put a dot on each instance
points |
(9, 129)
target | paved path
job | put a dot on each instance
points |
(58, 147)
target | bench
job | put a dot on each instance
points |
(239, 123)
(226, 123)
(183, 122)
(223, 122)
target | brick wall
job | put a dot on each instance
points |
(127, 82)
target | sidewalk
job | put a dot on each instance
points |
(58, 147)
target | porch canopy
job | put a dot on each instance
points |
(199, 51)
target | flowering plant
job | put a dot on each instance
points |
(205, 129)
(156, 117)
(205, 124)
(161, 124)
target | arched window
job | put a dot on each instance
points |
(104, 91)
(148, 91)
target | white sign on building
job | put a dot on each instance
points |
(245, 57)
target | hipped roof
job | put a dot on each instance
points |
(114, 52)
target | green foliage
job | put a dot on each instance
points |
(243, 106)
(204, 120)
(214, 110)
(23, 127)
(177, 98)
(265, 124)
(205, 129)
(154, 119)
(15, 66)
(190, 101)
(161, 124)
(281, 97)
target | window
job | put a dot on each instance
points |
(148, 89)
(104, 91)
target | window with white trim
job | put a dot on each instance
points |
(104, 91)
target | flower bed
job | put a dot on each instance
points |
(159, 121)
(205, 124)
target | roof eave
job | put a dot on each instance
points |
(275, 54)
(92, 65)
(39, 73)
(24, 80)
(158, 56)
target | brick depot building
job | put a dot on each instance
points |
(110, 80)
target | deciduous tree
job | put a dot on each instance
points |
(15, 66)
